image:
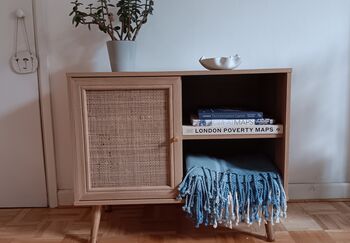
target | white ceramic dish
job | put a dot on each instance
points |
(220, 63)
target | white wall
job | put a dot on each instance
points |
(22, 172)
(312, 37)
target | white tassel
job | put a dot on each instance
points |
(247, 214)
(230, 215)
(215, 225)
(237, 208)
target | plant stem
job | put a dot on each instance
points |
(110, 26)
(138, 26)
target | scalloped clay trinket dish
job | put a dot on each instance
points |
(221, 63)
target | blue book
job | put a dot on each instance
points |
(230, 122)
(228, 114)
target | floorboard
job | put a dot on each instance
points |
(307, 222)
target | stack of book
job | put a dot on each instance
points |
(230, 121)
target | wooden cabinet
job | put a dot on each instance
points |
(129, 146)
(127, 134)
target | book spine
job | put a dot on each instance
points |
(224, 130)
(231, 122)
(230, 115)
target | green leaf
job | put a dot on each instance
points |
(130, 13)
(76, 19)
(103, 28)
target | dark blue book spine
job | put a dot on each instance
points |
(231, 115)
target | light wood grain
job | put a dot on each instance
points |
(96, 217)
(269, 231)
(84, 193)
(306, 222)
(180, 73)
(275, 82)
(271, 94)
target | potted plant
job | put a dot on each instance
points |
(121, 20)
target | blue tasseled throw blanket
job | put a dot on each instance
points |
(232, 190)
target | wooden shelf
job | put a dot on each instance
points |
(242, 136)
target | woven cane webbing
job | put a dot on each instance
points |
(128, 137)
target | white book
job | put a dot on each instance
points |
(235, 129)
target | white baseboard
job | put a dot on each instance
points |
(296, 192)
(319, 191)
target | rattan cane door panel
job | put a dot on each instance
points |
(128, 137)
(125, 135)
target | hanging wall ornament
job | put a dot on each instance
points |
(23, 61)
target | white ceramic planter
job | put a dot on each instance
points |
(122, 55)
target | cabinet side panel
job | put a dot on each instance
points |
(281, 145)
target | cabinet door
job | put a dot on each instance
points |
(127, 139)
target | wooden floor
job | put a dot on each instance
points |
(307, 222)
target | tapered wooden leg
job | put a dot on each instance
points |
(269, 231)
(96, 217)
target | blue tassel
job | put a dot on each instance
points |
(206, 194)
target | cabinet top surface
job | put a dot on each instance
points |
(180, 73)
